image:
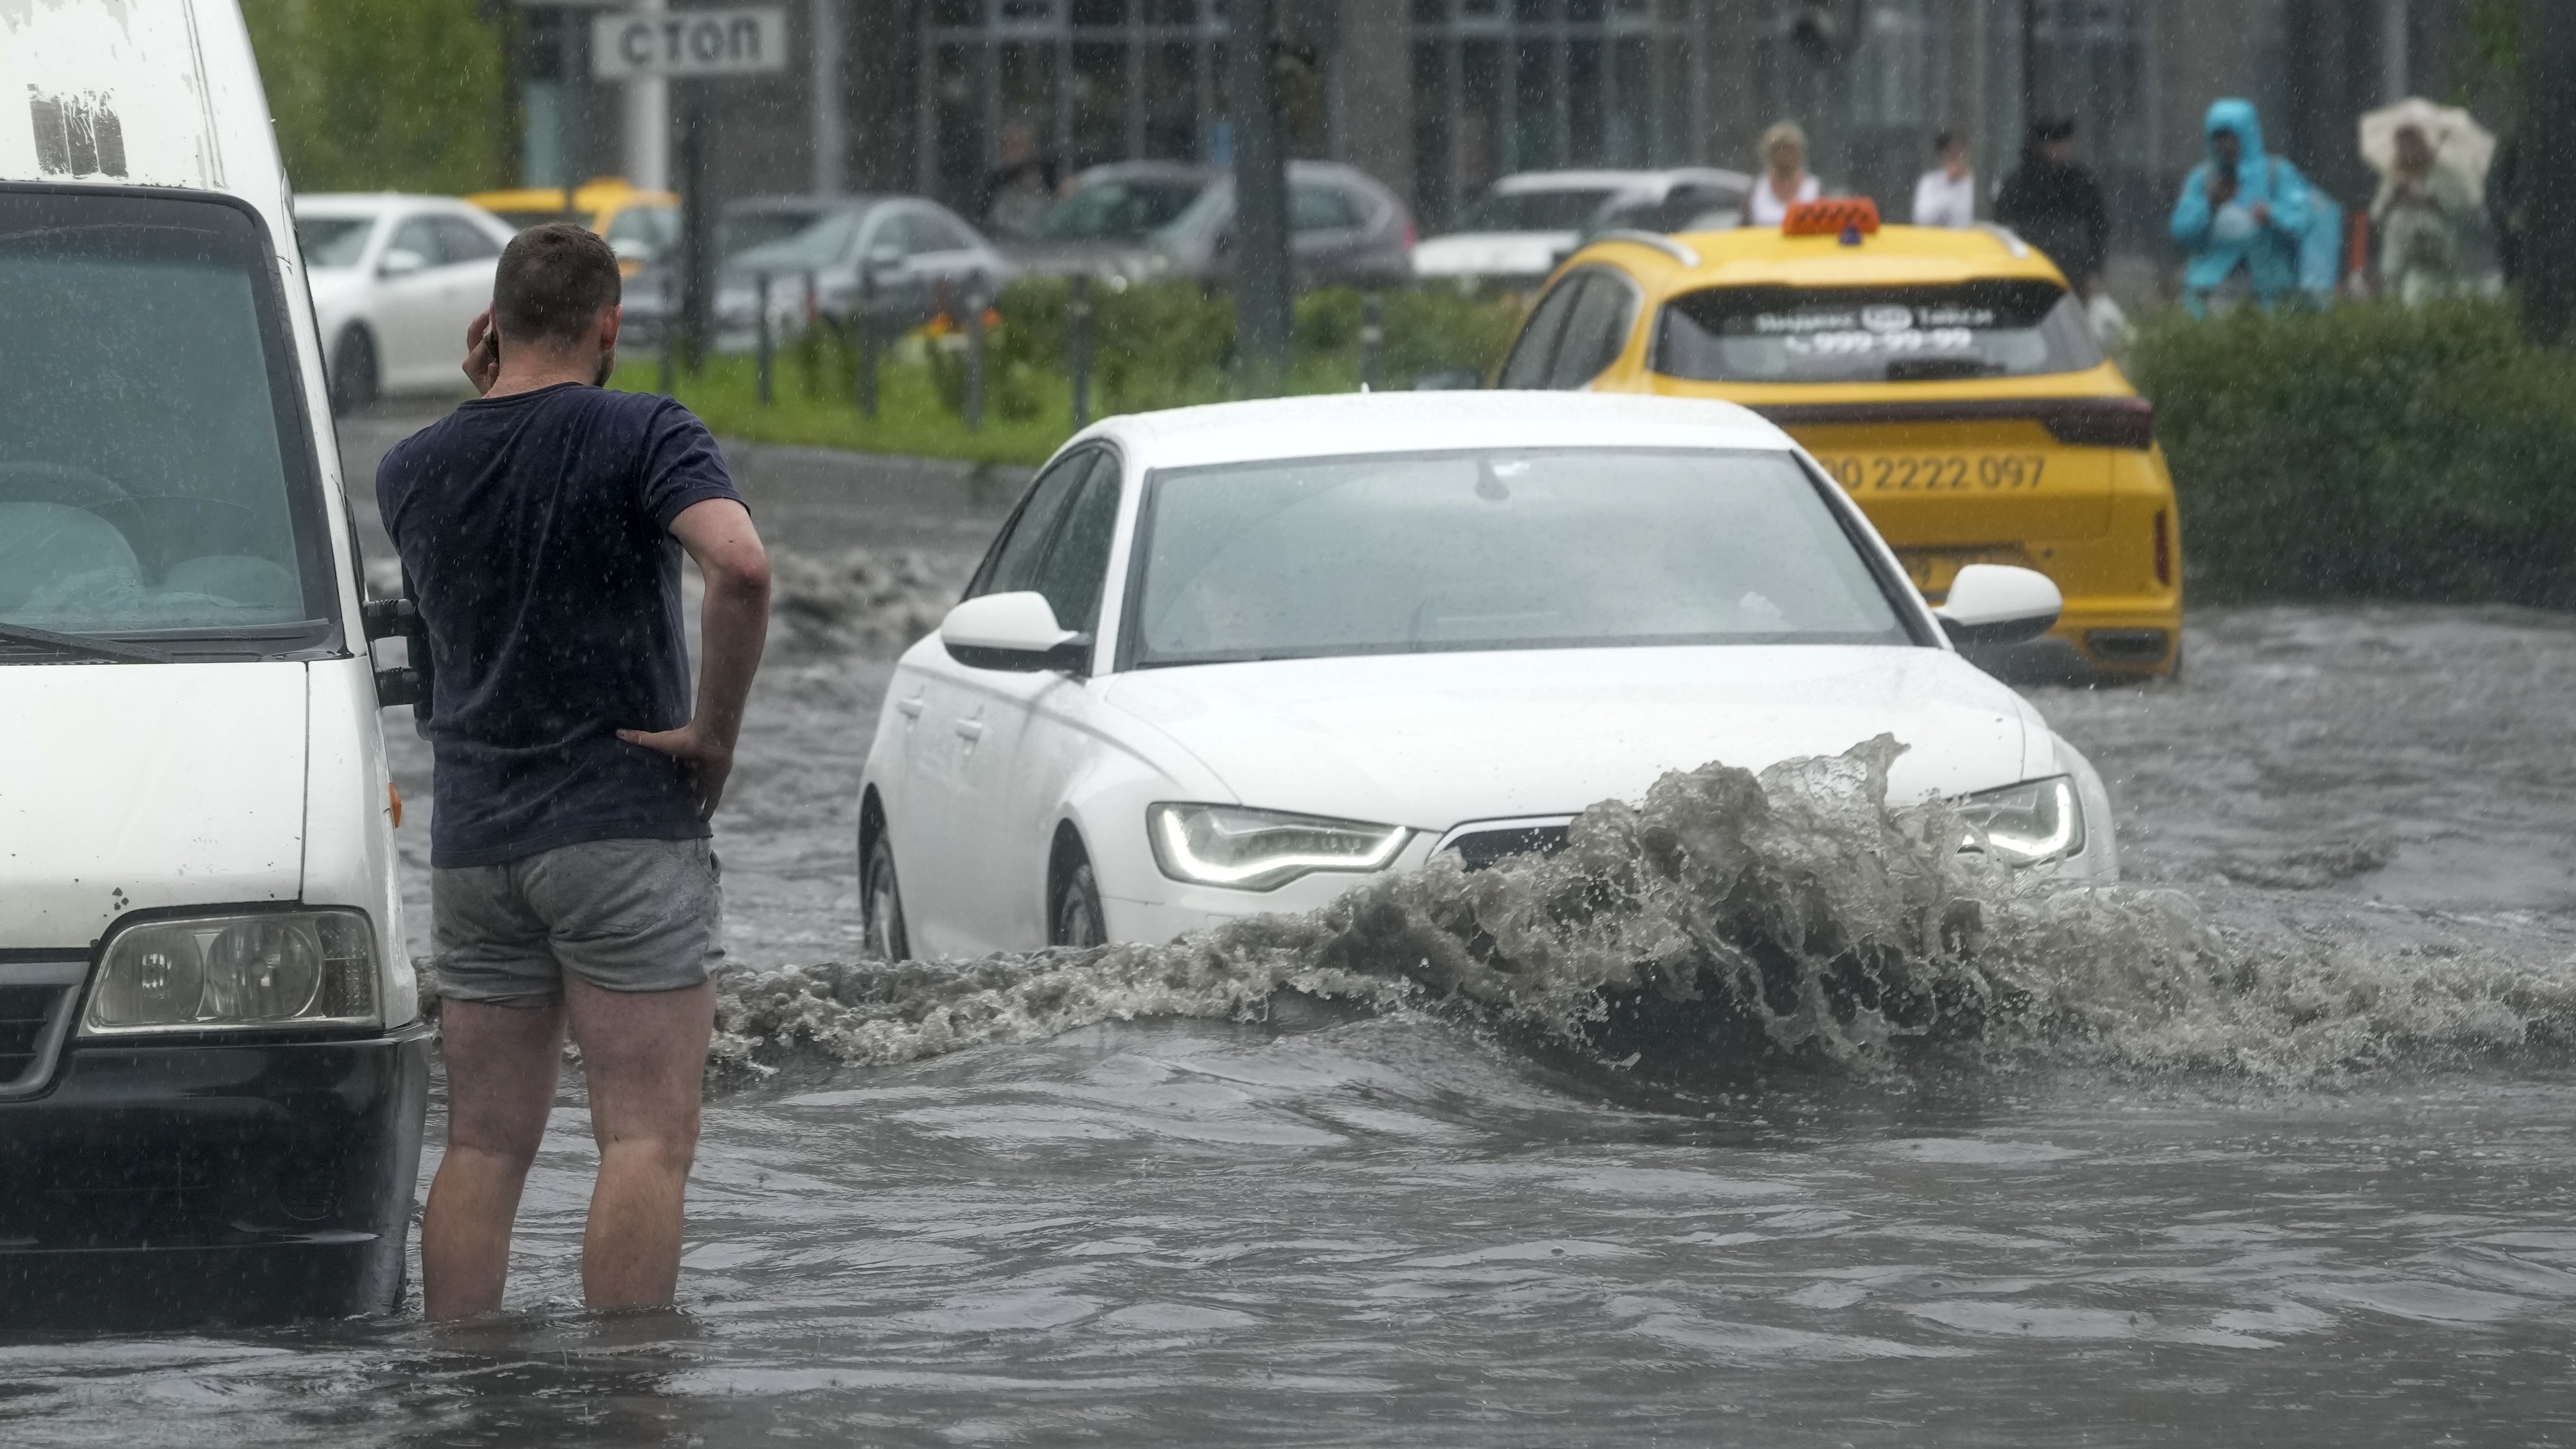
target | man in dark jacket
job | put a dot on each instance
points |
(2054, 203)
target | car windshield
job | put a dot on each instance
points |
(154, 478)
(738, 232)
(1116, 208)
(1434, 552)
(333, 243)
(1553, 209)
(1996, 328)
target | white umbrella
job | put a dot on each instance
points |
(2458, 141)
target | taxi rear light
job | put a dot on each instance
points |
(2164, 551)
(1832, 217)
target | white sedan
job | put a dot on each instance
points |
(395, 280)
(1226, 660)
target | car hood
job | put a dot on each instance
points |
(1493, 253)
(1434, 740)
(130, 787)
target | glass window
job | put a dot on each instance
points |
(1555, 209)
(822, 244)
(1078, 565)
(333, 243)
(419, 236)
(740, 231)
(1536, 350)
(462, 241)
(1997, 328)
(1594, 332)
(1012, 565)
(154, 480)
(1123, 208)
(655, 227)
(1501, 549)
(1321, 208)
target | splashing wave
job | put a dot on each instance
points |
(1727, 920)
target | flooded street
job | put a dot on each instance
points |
(2316, 1183)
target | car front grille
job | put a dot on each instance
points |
(1478, 849)
(35, 1004)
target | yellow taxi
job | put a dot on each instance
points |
(1949, 380)
(642, 225)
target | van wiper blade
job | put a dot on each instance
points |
(82, 644)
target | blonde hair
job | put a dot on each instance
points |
(1781, 133)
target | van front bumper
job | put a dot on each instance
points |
(236, 1181)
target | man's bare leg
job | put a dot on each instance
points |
(645, 1053)
(501, 1067)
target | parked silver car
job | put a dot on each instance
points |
(1147, 219)
(916, 254)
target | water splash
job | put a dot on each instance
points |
(1727, 920)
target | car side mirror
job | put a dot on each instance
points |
(883, 258)
(401, 262)
(1015, 632)
(1999, 604)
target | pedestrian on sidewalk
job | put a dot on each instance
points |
(1947, 194)
(2052, 202)
(2241, 217)
(1785, 180)
(2425, 211)
(573, 880)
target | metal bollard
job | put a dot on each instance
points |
(864, 322)
(768, 346)
(670, 332)
(1372, 340)
(1077, 337)
(975, 304)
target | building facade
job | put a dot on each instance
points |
(1439, 97)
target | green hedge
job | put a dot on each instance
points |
(2368, 451)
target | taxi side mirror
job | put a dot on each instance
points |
(1998, 604)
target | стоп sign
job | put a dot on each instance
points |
(745, 41)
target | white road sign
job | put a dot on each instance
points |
(751, 40)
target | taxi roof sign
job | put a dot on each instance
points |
(1849, 217)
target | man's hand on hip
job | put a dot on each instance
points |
(709, 760)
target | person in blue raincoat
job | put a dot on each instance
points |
(2241, 211)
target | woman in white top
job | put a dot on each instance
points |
(1947, 194)
(1784, 176)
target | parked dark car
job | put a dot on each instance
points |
(918, 252)
(1148, 219)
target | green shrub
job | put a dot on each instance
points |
(2368, 451)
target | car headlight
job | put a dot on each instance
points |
(2027, 823)
(237, 973)
(1256, 850)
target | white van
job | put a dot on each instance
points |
(212, 1071)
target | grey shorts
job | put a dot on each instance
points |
(623, 915)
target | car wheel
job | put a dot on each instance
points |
(881, 905)
(1074, 917)
(353, 371)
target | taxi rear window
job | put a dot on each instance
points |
(1934, 333)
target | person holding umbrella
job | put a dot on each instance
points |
(2432, 162)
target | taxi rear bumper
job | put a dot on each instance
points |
(236, 1181)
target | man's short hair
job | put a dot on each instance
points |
(553, 282)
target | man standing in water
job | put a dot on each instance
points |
(573, 881)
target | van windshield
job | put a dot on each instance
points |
(156, 484)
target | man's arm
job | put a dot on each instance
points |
(734, 625)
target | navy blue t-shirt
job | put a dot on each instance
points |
(536, 532)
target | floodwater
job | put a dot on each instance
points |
(2276, 1145)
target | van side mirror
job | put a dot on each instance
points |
(401, 262)
(1015, 632)
(1999, 604)
(404, 683)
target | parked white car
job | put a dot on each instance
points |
(1226, 660)
(1526, 223)
(395, 280)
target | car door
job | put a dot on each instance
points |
(1326, 226)
(410, 303)
(949, 880)
(944, 249)
(1035, 727)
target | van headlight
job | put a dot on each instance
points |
(2027, 823)
(1257, 850)
(237, 973)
